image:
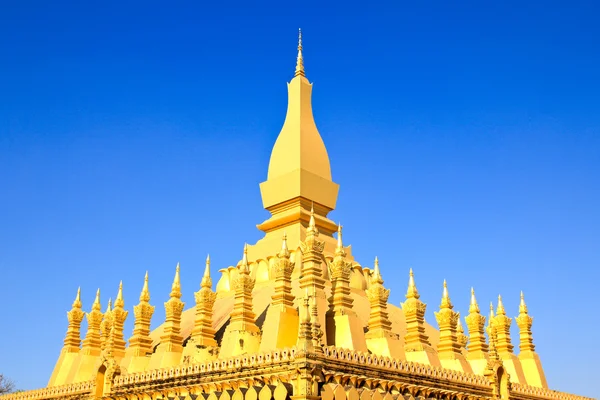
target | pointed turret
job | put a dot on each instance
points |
(305, 342)
(344, 329)
(92, 344)
(299, 169)
(170, 347)
(202, 345)
(242, 335)
(314, 267)
(280, 329)
(71, 345)
(416, 341)
(75, 316)
(140, 343)
(502, 323)
(460, 335)
(478, 348)
(504, 347)
(380, 339)
(449, 349)
(118, 315)
(530, 361)
(106, 324)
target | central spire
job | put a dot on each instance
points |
(299, 171)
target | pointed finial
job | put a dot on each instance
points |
(119, 300)
(77, 302)
(176, 287)
(299, 59)
(473, 307)
(285, 253)
(145, 294)
(446, 297)
(96, 305)
(412, 288)
(522, 305)
(376, 272)
(109, 306)
(339, 250)
(491, 312)
(244, 268)
(500, 310)
(206, 280)
(312, 226)
(459, 327)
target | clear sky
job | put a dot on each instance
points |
(465, 137)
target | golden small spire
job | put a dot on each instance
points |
(145, 294)
(500, 310)
(176, 287)
(77, 302)
(446, 298)
(522, 305)
(244, 268)
(284, 248)
(119, 302)
(491, 316)
(473, 307)
(299, 59)
(376, 272)
(206, 280)
(312, 226)
(96, 305)
(109, 306)
(339, 250)
(412, 292)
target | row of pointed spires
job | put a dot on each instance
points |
(244, 319)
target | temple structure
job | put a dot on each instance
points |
(297, 317)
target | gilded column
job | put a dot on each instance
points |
(91, 347)
(140, 343)
(281, 322)
(170, 348)
(460, 335)
(416, 341)
(312, 268)
(106, 324)
(202, 345)
(242, 335)
(477, 348)
(380, 338)
(344, 329)
(71, 347)
(504, 346)
(530, 361)
(117, 342)
(305, 337)
(449, 350)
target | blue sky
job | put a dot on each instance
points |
(465, 137)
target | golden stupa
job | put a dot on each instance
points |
(297, 318)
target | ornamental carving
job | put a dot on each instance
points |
(243, 282)
(312, 245)
(414, 307)
(283, 267)
(75, 315)
(378, 292)
(143, 311)
(174, 308)
(205, 296)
